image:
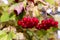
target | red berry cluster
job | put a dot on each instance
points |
(28, 22)
(46, 24)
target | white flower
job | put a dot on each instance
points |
(5, 1)
(58, 9)
(58, 33)
(49, 10)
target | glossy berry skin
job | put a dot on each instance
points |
(56, 23)
(28, 22)
(39, 26)
(43, 21)
(19, 22)
(35, 21)
(46, 24)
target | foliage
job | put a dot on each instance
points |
(34, 11)
(7, 36)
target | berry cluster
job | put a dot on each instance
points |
(46, 24)
(28, 22)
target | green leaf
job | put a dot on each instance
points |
(2, 34)
(36, 12)
(21, 15)
(11, 1)
(29, 33)
(25, 1)
(41, 33)
(11, 35)
(4, 17)
(50, 1)
(5, 36)
(13, 17)
(52, 30)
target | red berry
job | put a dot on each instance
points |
(39, 26)
(24, 25)
(25, 18)
(48, 21)
(43, 21)
(19, 22)
(51, 19)
(53, 23)
(56, 23)
(35, 21)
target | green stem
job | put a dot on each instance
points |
(28, 35)
(35, 35)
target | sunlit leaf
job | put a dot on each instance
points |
(25, 1)
(11, 1)
(36, 12)
(50, 1)
(30, 33)
(5, 36)
(5, 17)
(13, 17)
(11, 35)
(2, 34)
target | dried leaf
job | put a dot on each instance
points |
(19, 8)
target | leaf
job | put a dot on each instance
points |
(20, 16)
(11, 8)
(52, 30)
(36, 12)
(5, 17)
(41, 33)
(13, 17)
(50, 1)
(11, 35)
(2, 34)
(29, 33)
(19, 8)
(5, 36)
(25, 1)
(11, 1)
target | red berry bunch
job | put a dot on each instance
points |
(28, 22)
(46, 24)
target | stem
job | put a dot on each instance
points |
(27, 34)
(34, 35)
